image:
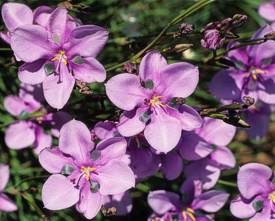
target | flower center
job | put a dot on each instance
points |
(255, 72)
(87, 172)
(60, 57)
(188, 213)
(271, 197)
(156, 101)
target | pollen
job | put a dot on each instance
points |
(188, 213)
(156, 101)
(60, 57)
(271, 197)
(255, 72)
(87, 172)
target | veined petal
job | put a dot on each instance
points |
(125, 91)
(58, 192)
(75, 140)
(15, 15)
(30, 43)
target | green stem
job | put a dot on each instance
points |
(227, 183)
(197, 6)
(5, 49)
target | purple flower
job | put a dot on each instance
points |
(58, 53)
(92, 172)
(146, 100)
(6, 205)
(267, 10)
(256, 201)
(253, 75)
(194, 205)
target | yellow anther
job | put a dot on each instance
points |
(184, 215)
(188, 213)
(255, 72)
(60, 57)
(156, 101)
(190, 210)
(86, 171)
(271, 196)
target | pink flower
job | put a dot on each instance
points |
(92, 172)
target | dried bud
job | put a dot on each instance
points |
(130, 68)
(239, 19)
(109, 211)
(248, 100)
(185, 28)
(83, 88)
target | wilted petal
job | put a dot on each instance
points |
(217, 132)
(32, 73)
(14, 105)
(255, 173)
(58, 193)
(193, 147)
(6, 205)
(115, 177)
(151, 65)
(172, 165)
(130, 122)
(15, 15)
(4, 176)
(89, 203)
(162, 201)
(125, 91)
(75, 140)
(30, 43)
(211, 201)
(56, 92)
(19, 135)
(181, 79)
(242, 209)
(89, 71)
(87, 40)
(163, 133)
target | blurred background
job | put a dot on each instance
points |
(132, 25)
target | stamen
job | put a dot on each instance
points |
(60, 57)
(188, 213)
(255, 72)
(86, 171)
(271, 197)
(156, 101)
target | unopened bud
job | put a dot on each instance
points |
(239, 19)
(185, 28)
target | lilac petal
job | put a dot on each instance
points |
(267, 92)
(239, 55)
(32, 39)
(32, 73)
(211, 201)
(265, 214)
(223, 86)
(191, 189)
(204, 171)
(130, 123)
(58, 192)
(105, 130)
(15, 15)
(115, 177)
(122, 202)
(14, 105)
(4, 176)
(255, 173)
(5, 37)
(87, 40)
(75, 140)
(205, 218)
(172, 165)
(193, 147)
(224, 158)
(267, 11)
(264, 50)
(19, 135)
(189, 117)
(53, 160)
(217, 132)
(89, 71)
(57, 24)
(242, 209)
(58, 93)
(6, 205)
(42, 141)
(162, 201)
(181, 79)
(89, 203)
(32, 95)
(41, 15)
(125, 91)
(112, 148)
(151, 65)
